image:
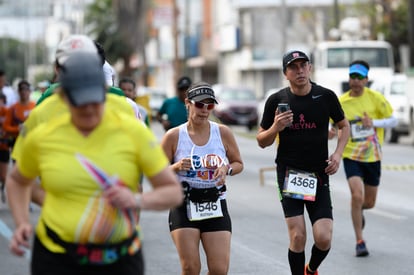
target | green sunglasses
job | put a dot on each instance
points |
(356, 76)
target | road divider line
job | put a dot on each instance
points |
(389, 167)
(260, 256)
(387, 214)
(6, 232)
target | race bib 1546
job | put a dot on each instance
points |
(197, 211)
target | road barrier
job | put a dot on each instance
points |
(263, 170)
(388, 167)
(398, 167)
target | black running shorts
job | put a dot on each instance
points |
(45, 262)
(178, 219)
(318, 209)
(4, 156)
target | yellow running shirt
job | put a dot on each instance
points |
(54, 106)
(377, 107)
(121, 147)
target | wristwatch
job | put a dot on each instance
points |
(229, 170)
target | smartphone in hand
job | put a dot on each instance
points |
(283, 107)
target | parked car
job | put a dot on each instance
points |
(396, 91)
(237, 105)
(156, 98)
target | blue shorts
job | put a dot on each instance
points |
(370, 172)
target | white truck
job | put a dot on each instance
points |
(397, 91)
(331, 61)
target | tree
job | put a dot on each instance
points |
(119, 25)
(11, 53)
(395, 25)
(14, 57)
(389, 18)
(131, 18)
(100, 18)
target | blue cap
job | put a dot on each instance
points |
(358, 69)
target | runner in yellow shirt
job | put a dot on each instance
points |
(52, 104)
(90, 161)
(368, 113)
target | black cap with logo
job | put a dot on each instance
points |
(291, 56)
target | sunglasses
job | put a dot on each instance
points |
(201, 105)
(356, 76)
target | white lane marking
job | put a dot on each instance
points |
(260, 256)
(6, 232)
(387, 214)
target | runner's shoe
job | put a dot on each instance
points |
(361, 249)
(309, 273)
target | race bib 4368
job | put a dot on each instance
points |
(300, 185)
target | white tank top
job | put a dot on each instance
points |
(206, 158)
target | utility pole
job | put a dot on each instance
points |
(187, 29)
(27, 43)
(336, 14)
(411, 30)
(176, 61)
(283, 28)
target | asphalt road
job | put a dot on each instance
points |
(259, 241)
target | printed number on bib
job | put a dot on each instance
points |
(204, 210)
(300, 185)
(359, 132)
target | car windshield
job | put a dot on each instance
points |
(341, 57)
(237, 95)
(398, 88)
